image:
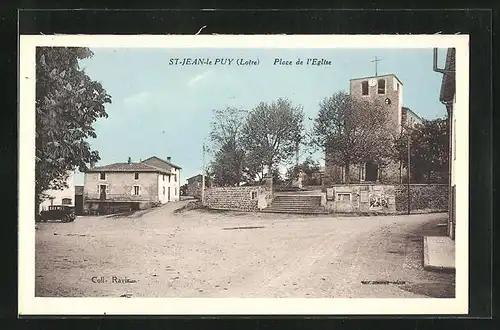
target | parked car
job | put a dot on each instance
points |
(65, 213)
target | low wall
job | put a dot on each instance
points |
(387, 199)
(362, 198)
(423, 198)
(233, 198)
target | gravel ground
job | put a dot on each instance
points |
(198, 253)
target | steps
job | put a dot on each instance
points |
(296, 204)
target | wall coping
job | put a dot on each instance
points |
(422, 184)
(384, 184)
(234, 188)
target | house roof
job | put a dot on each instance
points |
(168, 164)
(448, 84)
(126, 167)
(412, 112)
(378, 76)
(194, 177)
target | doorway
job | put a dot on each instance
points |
(102, 189)
(168, 194)
(371, 172)
(79, 204)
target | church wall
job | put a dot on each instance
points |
(391, 173)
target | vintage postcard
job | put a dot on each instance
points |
(243, 174)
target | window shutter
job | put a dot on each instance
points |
(107, 189)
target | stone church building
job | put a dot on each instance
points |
(388, 90)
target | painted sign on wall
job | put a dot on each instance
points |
(378, 201)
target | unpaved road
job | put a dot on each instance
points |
(227, 254)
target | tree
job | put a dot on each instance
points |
(227, 167)
(352, 131)
(271, 133)
(68, 102)
(428, 151)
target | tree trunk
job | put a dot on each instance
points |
(238, 176)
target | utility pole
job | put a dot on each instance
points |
(203, 177)
(297, 153)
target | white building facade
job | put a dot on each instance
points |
(61, 197)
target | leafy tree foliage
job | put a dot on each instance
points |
(271, 133)
(68, 102)
(228, 165)
(428, 151)
(352, 131)
(249, 144)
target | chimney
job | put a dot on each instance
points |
(130, 160)
(169, 159)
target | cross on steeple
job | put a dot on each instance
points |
(376, 60)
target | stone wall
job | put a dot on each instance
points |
(361, 198)
(423, 198)
(233, 198)
(386, 199)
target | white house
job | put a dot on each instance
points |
(448, 98)
(61, 197)
(122, 186)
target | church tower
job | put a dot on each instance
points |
(387, 89)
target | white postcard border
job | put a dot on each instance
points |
(28, 304)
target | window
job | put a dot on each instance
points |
(175, 191)
(364, 88)
(254, 194)
(163, 191)
(66, 201)
(175, 177)
(102, 176)
(169, 179)
(137, 190)
(136, 176)
(163, 177)
(381, 86)
(344, 197)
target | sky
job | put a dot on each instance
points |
(165, 110)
